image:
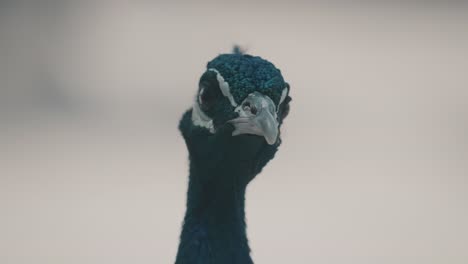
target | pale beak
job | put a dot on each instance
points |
(257, 116)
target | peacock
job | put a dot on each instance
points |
(231, 132)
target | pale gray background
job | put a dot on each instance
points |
(374, 164)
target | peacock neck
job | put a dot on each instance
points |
(215, 210)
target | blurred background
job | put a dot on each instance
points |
(374, 162)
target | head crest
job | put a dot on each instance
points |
(238, 50)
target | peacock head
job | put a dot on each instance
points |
(244, 95)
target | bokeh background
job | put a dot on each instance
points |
(374, 165)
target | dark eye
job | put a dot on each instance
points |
(285, 108)
(207, 98)
(209, 92)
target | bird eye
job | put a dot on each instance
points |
(285, 109)
(253, 110)
(209, 91)
(206, 98)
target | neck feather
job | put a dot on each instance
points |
(215, 215)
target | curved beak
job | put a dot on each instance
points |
(257, 116)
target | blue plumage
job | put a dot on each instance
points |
(223, 161)
(246, 74)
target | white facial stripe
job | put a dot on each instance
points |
(224, 86)
(284, 93)
(201, 119)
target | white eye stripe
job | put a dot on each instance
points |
(200, 94)
(224, 86)
(284, 93)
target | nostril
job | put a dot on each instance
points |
(253, 110)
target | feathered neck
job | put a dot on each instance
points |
(214, 222)
(221, 166)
